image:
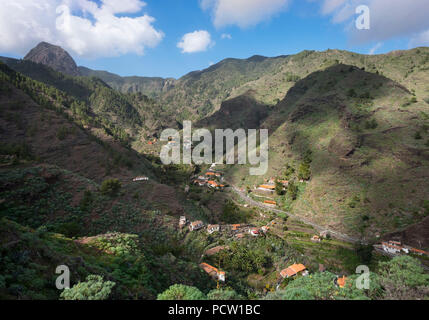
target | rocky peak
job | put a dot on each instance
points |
(53, 56)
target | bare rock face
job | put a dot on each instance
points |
(53, 56)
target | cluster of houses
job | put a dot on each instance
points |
(211, 179)
(238, 229)
(396, 247)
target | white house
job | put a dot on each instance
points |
(254, 232)
(141, 179)
(391, 248)
(211, 228)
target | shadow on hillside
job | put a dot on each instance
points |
(337, 91)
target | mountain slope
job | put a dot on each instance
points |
(359, 131)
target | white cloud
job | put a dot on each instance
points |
(81, 26)
(226, 36)
(421, 39)
(243, 13)
(389, 18)
(196, 41)
(375, 48)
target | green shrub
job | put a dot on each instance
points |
(93, 289)
(110, 187)
(224, 294)
(182, 292)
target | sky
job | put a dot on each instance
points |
(169, 38)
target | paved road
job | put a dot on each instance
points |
(333, 233)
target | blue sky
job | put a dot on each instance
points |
(287, 27)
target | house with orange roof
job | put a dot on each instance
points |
(270, 203)
(340, 282)
(196, 225)
(391, 248)
(267, 187)
(418, 251)
(235, 227)
(316, 238)
(240, 235)
(213, 272)
(265, 229)
(215, 185)
(294, 270)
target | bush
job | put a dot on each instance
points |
(403, 278)
(182, 292)
(372, 124)
(351, 93)
(292, 190)
(110, 187)
(93, 289)
(304, 171)
(418, 136)
(224, 294)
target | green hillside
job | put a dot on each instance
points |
(361, 140)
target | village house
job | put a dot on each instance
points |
(213, 272)
(199, 182)
(240, 235)
(254, 232)
(141, 179)
(316, 238)
(267, 188)
(196, 225)
(211, 228)
(270, 203)
(265, 229)
(294, 270)
(419, 252)
(235, 227)
(183, 221)
(391, 247)
(215, 185)
(340, 282)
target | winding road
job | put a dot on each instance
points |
(333, 233)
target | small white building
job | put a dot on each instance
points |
(254, 232)
(141, 179)
(183, 221)
(212, 228)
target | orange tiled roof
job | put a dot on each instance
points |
(292, 270)
(196, 223)
(342, 281)
(266, 186)
(210, 174)
(418, 250)
(391, 246)
(270, 202)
